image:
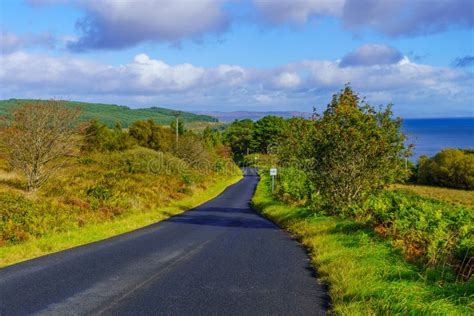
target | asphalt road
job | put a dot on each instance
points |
(220, 258)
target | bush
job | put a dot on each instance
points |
(294, 186)
(98, 137)
(151, 135)
(452, 168)
(144, 161)
(434, 232)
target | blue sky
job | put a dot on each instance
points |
(230, 55)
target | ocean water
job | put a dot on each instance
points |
(432, 135)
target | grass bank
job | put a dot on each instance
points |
(77, 236)
(365, 274)
(101, 195)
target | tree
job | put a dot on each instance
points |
(151, 135)
(357, 150)
(38, 138)
(266, 133)
(449, 168)
(238, 137)
(98, 137)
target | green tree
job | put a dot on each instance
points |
(238, 137)
(449, 168)
(98, 137)
(151, 135)
(181, 128)
(267, 133)
(357, 150)
(211, 138)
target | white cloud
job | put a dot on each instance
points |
(111, 24)
(10, 42)
(296, 86)
(288, 80)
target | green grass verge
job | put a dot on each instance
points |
(47, 244)
(365, 274)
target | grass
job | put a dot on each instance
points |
(99, 195)
(109, 114)
(454, 196)
(365, 274)
(76, 236)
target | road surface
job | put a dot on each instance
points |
(220, 258)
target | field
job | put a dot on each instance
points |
(97, 196)
(365, 274)
(110, 114)
(454, 196)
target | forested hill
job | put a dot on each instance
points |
(111, 113)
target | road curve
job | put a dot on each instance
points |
(220, 258)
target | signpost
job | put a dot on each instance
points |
(273, 173)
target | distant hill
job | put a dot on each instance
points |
(240, 115)
(111, 113)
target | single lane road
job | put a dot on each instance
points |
(220, 258)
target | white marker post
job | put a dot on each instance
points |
(273, 173)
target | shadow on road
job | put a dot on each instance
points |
(225, 217)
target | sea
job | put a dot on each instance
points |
(432, 135)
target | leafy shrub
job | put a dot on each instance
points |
(22, 218)
(144, 160)
(151, 135)
(449, 168)
(432, 231)
(293, 185)
(98, 137)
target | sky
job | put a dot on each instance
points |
(245, 55)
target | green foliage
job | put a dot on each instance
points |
(432, 232)
(294, 186)
(356, 150)
(151, 135)
(181, 128)
(98, 137)
(364, 273)
(211, 137)
(266, 134)
(452, 168)
(191, 149)
(238, 137)
(109, 113)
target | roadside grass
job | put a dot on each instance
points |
(365, 274)
(453, 196)
(77, 236)
(99, 196)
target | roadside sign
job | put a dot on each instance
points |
(273, 173)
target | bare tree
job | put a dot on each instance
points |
(37, 138)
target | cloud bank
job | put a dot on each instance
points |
(393, 17)
(112, 24)
(299, 86)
